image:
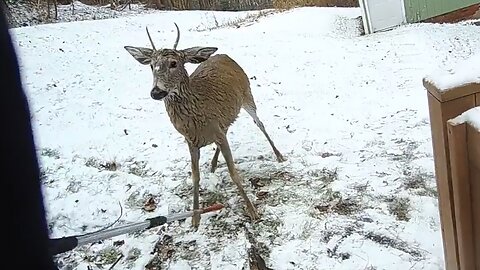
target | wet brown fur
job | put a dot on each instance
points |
(204, 105)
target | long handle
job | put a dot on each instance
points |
(64, 244)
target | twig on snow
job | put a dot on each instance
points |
(116, 261)
(108, 226)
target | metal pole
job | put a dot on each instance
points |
(60, 245)
(109, 233)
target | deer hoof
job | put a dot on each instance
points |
(253, 214)
(213, 168)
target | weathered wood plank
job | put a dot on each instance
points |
(473, 144)
(440, 113)
(458, 157)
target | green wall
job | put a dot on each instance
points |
(418, 10)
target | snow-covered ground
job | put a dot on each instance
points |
(349, 112)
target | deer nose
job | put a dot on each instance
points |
(158, 93)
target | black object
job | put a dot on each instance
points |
(61, 245)
(64, 244)
(26, 232)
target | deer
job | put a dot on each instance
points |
(203, 105)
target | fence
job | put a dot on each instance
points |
(456, 148)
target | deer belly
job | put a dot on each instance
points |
(198, 137)
(199, 141)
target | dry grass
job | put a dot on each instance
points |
(237, 22)
(400, 208)
(286, 4)
(334, 202)
(393, 243)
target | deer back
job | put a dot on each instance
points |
(222, 87)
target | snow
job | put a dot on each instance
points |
(349, 112)
(462, 72)
(471, 116)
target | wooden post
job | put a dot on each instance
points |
(462, 196)
(464, 143)
(473, 145)
(445, 105)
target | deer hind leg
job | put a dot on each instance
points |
(215, 160)
(252, 111)
(195, 157)
(227, 154)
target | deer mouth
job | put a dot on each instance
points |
(158, 94)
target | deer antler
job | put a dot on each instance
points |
(149, 37)
(178, 37)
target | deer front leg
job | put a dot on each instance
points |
(227, 154)
(195, 157)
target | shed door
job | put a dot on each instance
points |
(383, 14)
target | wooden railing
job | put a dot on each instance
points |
(456, 149)
(464, 145)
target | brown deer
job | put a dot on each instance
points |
(202, 106)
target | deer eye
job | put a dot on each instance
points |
(173, 64)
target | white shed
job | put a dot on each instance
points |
(380, 15)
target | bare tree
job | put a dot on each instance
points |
(182, 4)
(49, 2)
(207, 4)
(162, 4)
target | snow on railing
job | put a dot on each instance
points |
(471, 117)
(463, 72)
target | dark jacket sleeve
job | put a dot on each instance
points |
(24, 213)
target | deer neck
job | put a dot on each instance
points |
(184, 97)
(183, 107)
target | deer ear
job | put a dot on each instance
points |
(142, 55)
(197, 55)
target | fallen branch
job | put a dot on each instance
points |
(116, 261)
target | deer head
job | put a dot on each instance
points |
(168, 65)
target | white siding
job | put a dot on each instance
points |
(379, 15)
